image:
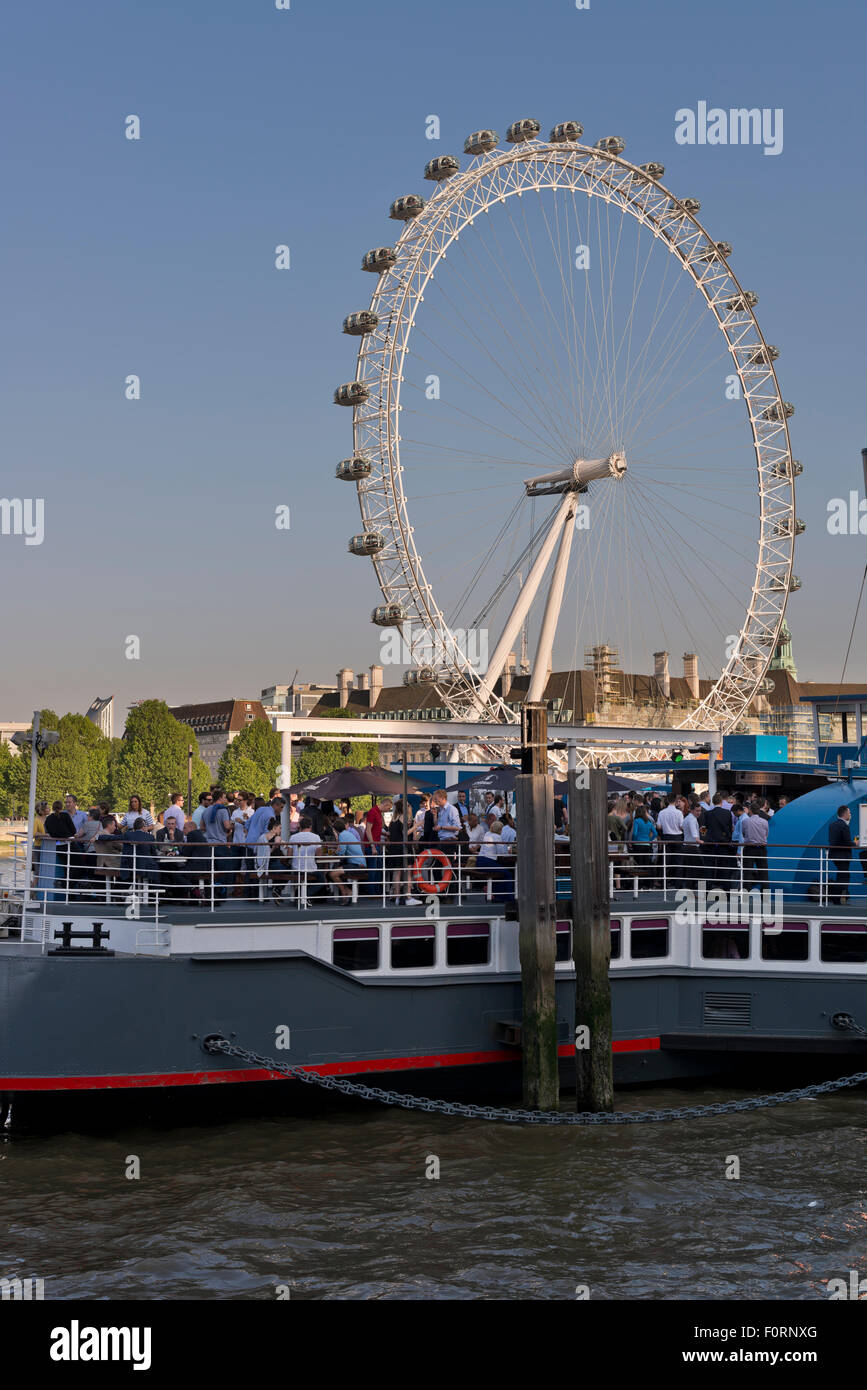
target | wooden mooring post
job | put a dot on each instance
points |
(591, 938)
(537, 913)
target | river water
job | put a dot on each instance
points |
(334, 1200)
(336, 1203)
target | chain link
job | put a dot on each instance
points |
(526, 1117)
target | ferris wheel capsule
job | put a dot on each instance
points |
(790, 527)
(653, 170)
(363, 321)
(381, 258)
(367, 543)
(519, 131)
(777, 413)
(692, 205)
(389, 615)
(352, 470)
(742, 302)
(718, 251)
(442, 166)
(788, 468)
(566, 133)
(481, 142)
(764, 356)
(611, 144)
(406, 208)
(351, 393)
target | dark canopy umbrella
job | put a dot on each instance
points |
(353, 781)
(625, 784)
(499, 779)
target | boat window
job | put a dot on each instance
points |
(615, 938)
(844, 941)
(792, 943)
(468, 943)
(413, 948)
(564, 941)
(355, 948)
(724, 942)
(649, 938)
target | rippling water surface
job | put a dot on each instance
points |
(335, 1204)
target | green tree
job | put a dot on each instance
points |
(152, 759)
(251, 760)
(76, 764)
(11, 803)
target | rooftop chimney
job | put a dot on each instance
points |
(345, 678)
(690, 673)
(375, 684)
(660, 671)
(361, 683)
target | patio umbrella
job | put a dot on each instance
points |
(353, 781)
(499, 779)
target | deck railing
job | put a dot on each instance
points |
(148, 877)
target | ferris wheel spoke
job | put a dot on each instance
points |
(670, 348)
(663, 580)
(501, 260)
(543, 443)
(661, 519)
(650, 351)
(521, 388)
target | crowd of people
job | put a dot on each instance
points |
(234, 841)
(678, 841)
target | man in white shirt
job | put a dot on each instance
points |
(175, 812)
(692, 846)
(669, 826)
(205, 799)
(305, 844)
(477, 830)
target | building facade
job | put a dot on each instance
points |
(217, 723)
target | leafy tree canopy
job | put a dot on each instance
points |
(152, 759)
(251, 761)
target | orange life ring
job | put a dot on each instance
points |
(437, 856)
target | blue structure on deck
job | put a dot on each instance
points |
(806, 822)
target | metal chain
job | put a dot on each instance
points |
(525, 1117)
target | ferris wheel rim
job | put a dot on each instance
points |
(453, 209)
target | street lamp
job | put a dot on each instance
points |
(40, 740)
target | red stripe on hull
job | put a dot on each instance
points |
(377, 1064)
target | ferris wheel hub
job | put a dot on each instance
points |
(576, 478)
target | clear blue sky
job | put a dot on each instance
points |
(261, 127)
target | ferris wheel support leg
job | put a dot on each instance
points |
(522, 607)
(539, 678)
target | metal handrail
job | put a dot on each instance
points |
(214, 873)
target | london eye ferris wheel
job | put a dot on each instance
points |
(567, 427)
